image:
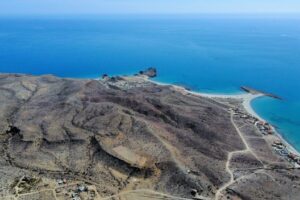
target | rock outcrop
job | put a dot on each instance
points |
(150, 72)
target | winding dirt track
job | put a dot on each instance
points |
(218, 196)
(221, 189)
(230, 154)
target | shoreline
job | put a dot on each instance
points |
(246, 98)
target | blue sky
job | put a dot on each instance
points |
(147, 6)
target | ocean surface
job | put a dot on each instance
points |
(205, 53)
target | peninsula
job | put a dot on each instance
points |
(130, 138)
(254, 91)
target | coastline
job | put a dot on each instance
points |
(246, 98)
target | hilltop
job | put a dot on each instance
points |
(127, 137)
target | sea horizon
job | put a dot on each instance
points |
(206, 53)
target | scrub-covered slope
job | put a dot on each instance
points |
(121, 133)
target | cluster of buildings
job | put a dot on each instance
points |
(61, 181)
(266, 129)
(75, 194)
(282, 150)
(75, 191)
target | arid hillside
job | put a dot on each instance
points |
(123, 134)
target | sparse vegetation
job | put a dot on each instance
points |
(130, 137)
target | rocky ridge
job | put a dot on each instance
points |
(123, 134)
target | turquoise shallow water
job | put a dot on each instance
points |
(209, 54)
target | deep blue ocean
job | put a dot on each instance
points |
(208, 54)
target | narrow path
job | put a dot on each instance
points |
(172, 150)
(35, 192)
(231, 181)
(243, 139)
(17, 185)
(270, 176)
(150, 192)
(230, 154)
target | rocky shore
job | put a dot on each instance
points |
(126, 137)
